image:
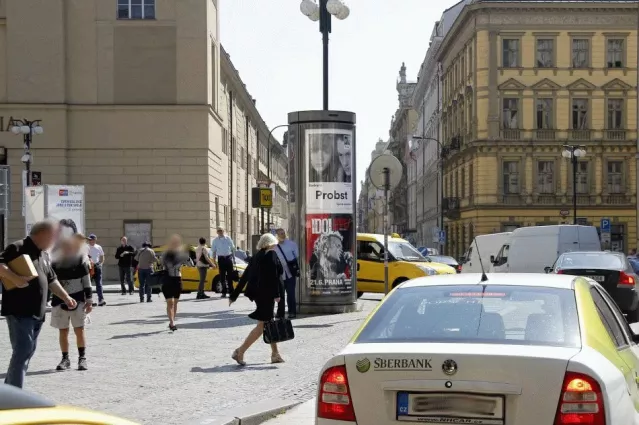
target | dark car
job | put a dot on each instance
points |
(612, 270)
(444, 259)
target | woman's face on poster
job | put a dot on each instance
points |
(322, 152)
(333, 247)
(344, 153)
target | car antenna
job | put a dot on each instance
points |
(484, 278)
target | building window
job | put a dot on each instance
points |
(242, 163)
(463, 183)
(510, 53)
(510, 113)
(582, 177)
(615, 114)
(580, 53)
(545, 177)
(225, 141)
(544, 113)
(545, 57)
(615, 53)
(217, 212)
(579, 114)
(511, 177)
(615, 177)
(136, 9)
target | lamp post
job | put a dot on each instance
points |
(322, 13)
(27, 129)
(440, 194)
(574, 152)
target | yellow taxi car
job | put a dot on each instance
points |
(18, 407)
(191, 275)
(404, 263)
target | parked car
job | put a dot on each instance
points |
(531, 249)
(445, 259)
(18, 407)
(612, 270)
(405, 263)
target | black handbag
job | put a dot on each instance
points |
(278, 330)
(156, 280)
(293, 266)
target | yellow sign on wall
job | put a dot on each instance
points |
(266, 197)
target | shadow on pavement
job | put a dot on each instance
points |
(138, 335)
(139, 321)
(326, 325)
(232, 368)
(231, 322)
(34, 373)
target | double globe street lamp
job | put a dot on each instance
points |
(27, 129)
(322, 12)
(574, 152)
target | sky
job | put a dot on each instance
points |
(278, 53)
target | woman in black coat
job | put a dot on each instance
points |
(264, 279)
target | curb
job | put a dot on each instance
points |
(253, 414)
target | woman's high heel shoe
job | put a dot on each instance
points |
(173, 328)
(276, 358)
(239, 359)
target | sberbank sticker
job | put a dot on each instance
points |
(380, 364)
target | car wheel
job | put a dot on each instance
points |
(359, 294)
(398, 281)
(633, 316)
(217, 286)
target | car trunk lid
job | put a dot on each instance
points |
(606, 277)
(489, 384)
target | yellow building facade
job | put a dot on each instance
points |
(520, 81)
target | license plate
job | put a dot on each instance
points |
(597, 278)
(442, 408)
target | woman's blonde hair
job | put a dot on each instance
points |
(266, 241)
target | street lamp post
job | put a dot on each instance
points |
(27, 129)
(322, 13)
(440, 197)
(574, 152)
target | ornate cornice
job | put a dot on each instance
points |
(580, 84)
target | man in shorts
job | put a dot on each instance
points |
(73, 268)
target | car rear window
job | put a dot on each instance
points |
(595, 260)
(442, 259)
(487, 314)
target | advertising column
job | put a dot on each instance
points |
(322, 173)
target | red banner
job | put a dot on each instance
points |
(330, 253)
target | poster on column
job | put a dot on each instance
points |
(329, 163)
(66, 204)
(329, 252)
(34, 206)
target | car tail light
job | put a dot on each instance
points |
(459, 267)
(581, 401)
(334, 400)
(625, 279)
(560, 272)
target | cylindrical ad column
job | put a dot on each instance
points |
(326, 209)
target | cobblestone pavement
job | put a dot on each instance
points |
(141, 371)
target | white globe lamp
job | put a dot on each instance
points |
(307, 7)
(343, 13)
(334, 7)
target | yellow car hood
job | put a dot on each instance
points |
(442, 268)
(59, 415)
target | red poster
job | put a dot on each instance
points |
(329, 251)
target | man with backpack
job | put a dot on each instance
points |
(288, 254)
(203, 263)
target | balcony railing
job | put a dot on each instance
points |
(615, 134)
(546, 199)
(583, 200)
(511, 199)
(617, 199)
(511, 134)
(545, 134)
(579, 134)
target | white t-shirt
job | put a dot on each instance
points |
(95, 251)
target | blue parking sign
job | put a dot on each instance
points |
(605, 225)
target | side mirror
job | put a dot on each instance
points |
(492, 259)
(547, 269)
(635, 332)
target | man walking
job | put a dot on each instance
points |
(203, 263)
(288, 253)
(125, 255)
(222, 250)
(145, 258)
(24, 307)
(96, 254)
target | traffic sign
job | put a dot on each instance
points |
(442, 237)
(262, 197)
(605, 225)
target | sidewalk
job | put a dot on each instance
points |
(304, 414)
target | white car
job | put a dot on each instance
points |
(515, 349)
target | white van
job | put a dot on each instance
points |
(532, 249)
(487, 246)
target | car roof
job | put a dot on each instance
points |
(15, 398)
(593, 252)
(379, 238)
(560, 281)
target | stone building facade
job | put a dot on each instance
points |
(134, 105)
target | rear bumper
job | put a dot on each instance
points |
(331, 422)
(626, 298)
